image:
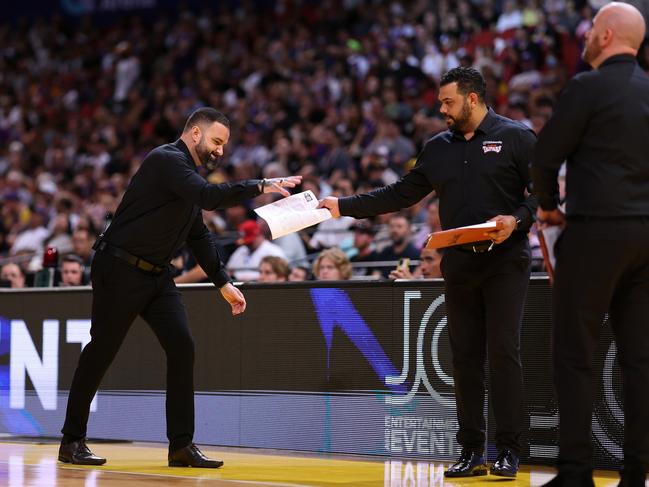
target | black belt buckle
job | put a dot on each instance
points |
(147, 266)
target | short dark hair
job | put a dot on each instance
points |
(469, 80)
(72, 258)
(206, 115)
(400, 214)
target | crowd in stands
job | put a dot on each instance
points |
(342, 92)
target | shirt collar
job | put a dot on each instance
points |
(485, 126)
(185, 150)
(618, 58)
(487, 122)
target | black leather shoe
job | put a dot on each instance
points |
(572, 478)
(506, 464)
(632, 478)
(78, 453)
(469, 464)
(191, 456)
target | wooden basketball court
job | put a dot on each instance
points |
(144, 464)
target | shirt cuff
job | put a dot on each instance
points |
(221, 278)
(345, 206)
(523, 215)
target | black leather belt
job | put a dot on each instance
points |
(139, 263)
(476, 248)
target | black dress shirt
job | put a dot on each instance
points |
(601, 128)
(161, 209)
(475, 179)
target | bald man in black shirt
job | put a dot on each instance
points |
(131, 276)
(601, 127)
(480, 171)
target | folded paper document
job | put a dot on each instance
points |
(293, 213)
(462, 235)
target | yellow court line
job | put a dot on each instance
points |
(262, 469)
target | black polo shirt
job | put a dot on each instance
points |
(600, 126)
(474, 179)
(161, 209)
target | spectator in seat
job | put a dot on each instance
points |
(273, 269)
(14, 275)
(332, 265)
(252, 247)
(72, 272)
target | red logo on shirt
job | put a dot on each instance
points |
(492, 146)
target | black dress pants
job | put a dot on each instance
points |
(485, 295)
(602, 266)
(121, 293)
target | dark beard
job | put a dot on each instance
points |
(460, 123)
(204, 156)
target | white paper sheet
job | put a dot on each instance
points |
(292, 214)
(485, 225)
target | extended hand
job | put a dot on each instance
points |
(277, 185)
(235, 297)
(400, 273)
(509, 225)
(550, 218)
(330, 203)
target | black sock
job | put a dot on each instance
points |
(69, 439)
(179, 444)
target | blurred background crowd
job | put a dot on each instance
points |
(342, 92)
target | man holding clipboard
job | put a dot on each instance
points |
(479, 169)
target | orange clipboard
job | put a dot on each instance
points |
(462, 235)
